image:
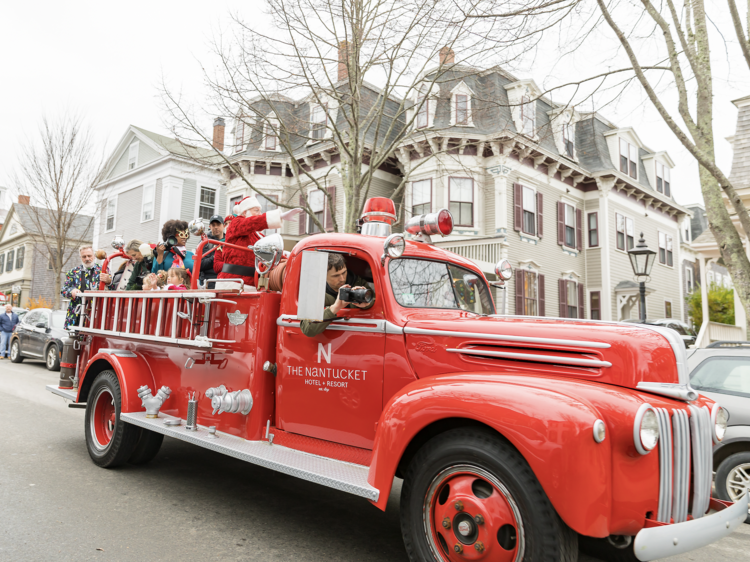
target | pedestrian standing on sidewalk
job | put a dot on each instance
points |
(8, 322)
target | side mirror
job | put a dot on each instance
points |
(504, 272)
(41, 325)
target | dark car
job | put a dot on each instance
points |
(722, 372)
(687, 334)
(39, 336)
(20, 312)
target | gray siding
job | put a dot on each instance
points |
(187, 211)
(547, 253)
(664, 280)
(129, 216)
(154, 228)
(487, 200)
(146, 154)
(43, 278)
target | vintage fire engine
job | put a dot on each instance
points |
(515, 436)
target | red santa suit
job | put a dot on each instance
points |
(244, 231)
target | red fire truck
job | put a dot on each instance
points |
(516, 437)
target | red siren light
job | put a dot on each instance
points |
(424, 226)
(445, 222)
(379, 209)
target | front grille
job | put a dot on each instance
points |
(679, 437)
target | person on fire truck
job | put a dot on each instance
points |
(244, 230)
(171, 252)
(337, 278)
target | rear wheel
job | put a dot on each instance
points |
(469, 495)
(15, 352)
(733, 478)
(147, 448)
(110, 440)
(53, 358)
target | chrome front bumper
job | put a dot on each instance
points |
(671, 540)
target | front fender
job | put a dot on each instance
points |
(547, 423)
(132, 372)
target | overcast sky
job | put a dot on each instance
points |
(105, 62)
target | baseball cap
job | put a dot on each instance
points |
(216, 218)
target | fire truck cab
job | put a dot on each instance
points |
(517, 437)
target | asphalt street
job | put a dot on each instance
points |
(188, 504)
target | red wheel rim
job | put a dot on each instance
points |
(470, 515)
(103, 419)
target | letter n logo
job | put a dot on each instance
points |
(326, 354)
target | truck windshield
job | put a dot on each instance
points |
(432, 284)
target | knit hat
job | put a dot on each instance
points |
(249, 202)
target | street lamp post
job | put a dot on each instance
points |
(642, 260)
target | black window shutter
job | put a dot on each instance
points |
(519, 291)
(579, 229)
(329, 210)
(540, 291)
(303, 217)
(539, 214)
(562, 289)
(581, 301)
(560, 223)
(517, 208)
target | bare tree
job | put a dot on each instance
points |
(339, 85)
(57, 170)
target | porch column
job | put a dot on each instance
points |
(704, 291)
(605, 186)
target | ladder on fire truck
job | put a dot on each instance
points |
(176, 318)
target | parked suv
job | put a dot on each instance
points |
(39, 336)
(687, 334)
(722, 372)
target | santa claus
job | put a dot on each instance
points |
(244, 230)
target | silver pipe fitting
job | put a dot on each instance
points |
(216, 391)
(153, 403)
(239, 401)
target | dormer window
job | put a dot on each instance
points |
(528, 115)
(569, 142)
(462, 109)
(628, 159)
(270, 135)
(423, 112)
(133, 155)
(663, 179)
(318, 122)
(242, 132)
(461, 105)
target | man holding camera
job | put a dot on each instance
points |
(338, 278)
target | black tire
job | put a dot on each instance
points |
(15, 351)
(110, 441)
(52, 358)
(147, 448)
(482, 457)
(603, 549)
(725, 473)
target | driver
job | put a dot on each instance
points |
(337, 277)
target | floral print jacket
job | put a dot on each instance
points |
(84, 280)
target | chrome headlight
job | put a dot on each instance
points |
(395, 245)
(645, 429)
(720, 419)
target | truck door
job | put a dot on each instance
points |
(331, 386)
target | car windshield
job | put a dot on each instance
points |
(58, 320)
(723, 374)
(432, 284)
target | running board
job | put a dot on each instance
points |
(340, 475)
(68, 394)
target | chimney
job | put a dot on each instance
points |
(343, 55)
(447, 56)
(24, 200)
(219, 134)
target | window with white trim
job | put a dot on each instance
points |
(628, 159)
(9, 261)
(270, 137)
(569, 140)
(667, 309)
(461, 199)
(570, 226)
(207, 203)
(423, 112)
(421, 197)
(595, 305)
(462, 109)
(110, 214)
(688, 279)
(529, 211)
(239, 134)
(663, 179)
(572, 299)
(318, 122)
(530, 293)
(665, 249)
(625, 232)
(528, 115)
(147, 203)
(593, 230)
(133, 155)
(317, 201)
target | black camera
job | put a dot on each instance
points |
(170, 243)
(360, 296)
